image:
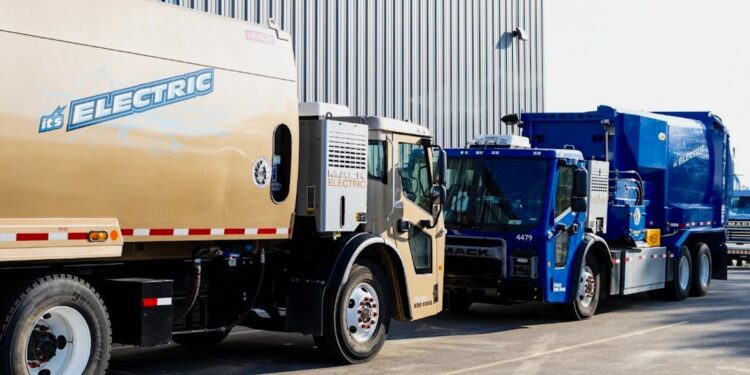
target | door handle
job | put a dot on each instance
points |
(403, 226)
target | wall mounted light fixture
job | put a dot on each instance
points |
(521, 34)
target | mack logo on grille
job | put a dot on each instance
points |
(742, 224)
(471, 251)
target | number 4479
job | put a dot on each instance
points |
(524, 237)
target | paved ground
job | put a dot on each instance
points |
(628, 335)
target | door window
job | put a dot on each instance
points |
(420, 245)
(564, 193)
(415, 174)
(376, 157)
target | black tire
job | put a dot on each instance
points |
(337, 343)
(700, 286)
(200, 340)
(582, 308)
(459, 303)
(35, 300)
(675, 290)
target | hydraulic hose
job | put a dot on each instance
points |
(195, 289)
(254, 299)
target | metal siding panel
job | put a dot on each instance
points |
(451, 65)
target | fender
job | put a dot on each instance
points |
(589, 240)
(305, 298)
(349, 253)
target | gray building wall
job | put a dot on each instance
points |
(451, 65)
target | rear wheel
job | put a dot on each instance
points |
(679, 288)
(702, 264)
(588, 292)
(356, 321)
(57, 325)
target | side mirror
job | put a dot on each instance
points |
(441, 166)
(580, 183)
(579, 204)
(438, 194)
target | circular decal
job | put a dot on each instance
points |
(637, 216)
(662, 136)
(261, 173)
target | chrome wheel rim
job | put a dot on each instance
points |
(704, 275)
(59, 343)
(586, 287)
(684, 273)
(362, 312)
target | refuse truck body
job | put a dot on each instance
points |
(589, 205)
(162, 183)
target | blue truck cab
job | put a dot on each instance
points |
(595, 204)
(738, 227)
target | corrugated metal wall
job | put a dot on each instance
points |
(451, 65)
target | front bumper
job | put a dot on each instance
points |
(738, 249)
(491, 289)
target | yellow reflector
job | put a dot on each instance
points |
(653, 237)
(97, 236)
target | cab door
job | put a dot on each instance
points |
(568, 232)
(419, 240)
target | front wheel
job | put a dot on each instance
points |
(584, 304)
(356, 320)
(57, 325)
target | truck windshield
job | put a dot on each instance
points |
(495, 194)
(740, 206)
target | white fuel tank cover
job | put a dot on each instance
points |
(320, 109)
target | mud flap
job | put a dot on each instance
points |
(304, 307)
(719, 263)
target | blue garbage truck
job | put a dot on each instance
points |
(738, 227)
(588, 205)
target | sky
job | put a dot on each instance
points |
(653, 55)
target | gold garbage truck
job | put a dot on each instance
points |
(160, 182)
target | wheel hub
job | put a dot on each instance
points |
(60, 343)
(586, 286)
(362, 312)
(43, 346)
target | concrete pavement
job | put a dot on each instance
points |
(628, 335)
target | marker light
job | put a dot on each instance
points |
(97, 236)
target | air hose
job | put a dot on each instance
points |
(195, 290)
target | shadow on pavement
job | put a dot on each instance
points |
(263, 352)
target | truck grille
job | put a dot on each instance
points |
(738, 234)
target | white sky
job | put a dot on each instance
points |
(652, 55)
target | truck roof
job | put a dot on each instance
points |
(96, 24)
(607, 112)
(515, 153)
(389, 125)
